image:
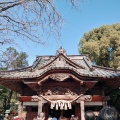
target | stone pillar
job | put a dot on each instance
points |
(82, 109)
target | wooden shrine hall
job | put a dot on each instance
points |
(61, 85)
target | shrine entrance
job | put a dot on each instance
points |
(65, 108)
(65, 113)
(60, 107)
(61, 84)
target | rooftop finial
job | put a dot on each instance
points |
(61, 50)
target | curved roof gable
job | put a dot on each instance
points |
(79, 64)
(62, 59)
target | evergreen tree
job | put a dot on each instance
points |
(102, 45)
(11, 59)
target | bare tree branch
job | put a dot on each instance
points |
(13, 5)
(30, 20)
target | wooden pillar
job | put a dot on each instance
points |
(45, 110)
(40, 105)
(103, 94)
(82, 109)
(77, 110)
(19, 109)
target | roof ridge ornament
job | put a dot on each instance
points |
(61, 50)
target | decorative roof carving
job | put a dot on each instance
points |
(79, 64)
(60, 62)
(59, 76)
(57, 90)
(61, 50)
(88, 98)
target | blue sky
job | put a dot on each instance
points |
(91, 14)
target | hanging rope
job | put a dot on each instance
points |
(64, 100)
(63, 104)
(76, 98)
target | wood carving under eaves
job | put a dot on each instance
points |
(57, 90)
(59, 76)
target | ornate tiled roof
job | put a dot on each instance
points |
(79, 64)
(60, 67)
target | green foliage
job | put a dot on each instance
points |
(5, 97)
(102, 45)
(11, 59)
(115, 99)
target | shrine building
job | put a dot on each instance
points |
(61, 85)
